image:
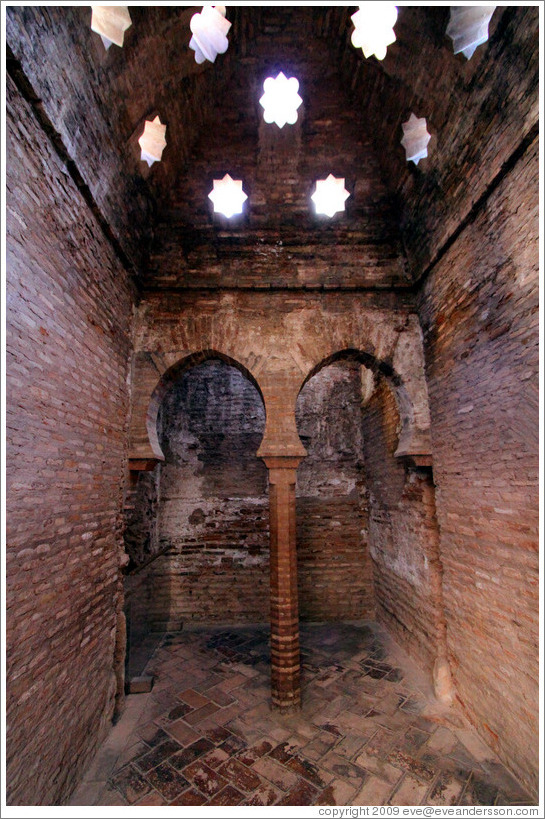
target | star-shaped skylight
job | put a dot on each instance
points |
(153, 141)
(227, 196)
(209, 29)
(330, 195)
(468, 27)
(110, 22)
(374, 28)
(415, 138)
(281, 100)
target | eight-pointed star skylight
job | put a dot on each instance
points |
(281, 100)
(111, 22)
(330, 195)
(374, 28)
(153, 141)
(209, 28)
(415, 138)
(468, 27)
(227, 196)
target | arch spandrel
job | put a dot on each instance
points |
(278, 342)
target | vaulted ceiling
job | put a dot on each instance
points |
(94, 103)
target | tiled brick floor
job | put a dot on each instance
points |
(369, 732)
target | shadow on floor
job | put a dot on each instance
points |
(369, 731)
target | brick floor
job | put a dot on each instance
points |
(369, 731)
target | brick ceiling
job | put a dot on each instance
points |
(97, 101)
(158, 72)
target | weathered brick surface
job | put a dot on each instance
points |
(69, 308)
(466, 234)
(334, 565)
(213, 502)
(345, 96)
(279, 343)
(279, 340)
(141, 531)
(73, 100)
(480, 313)
(213, 509)
(478, 112)
(97, 101)
(403, 533)
(279, 240)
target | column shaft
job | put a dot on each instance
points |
(285, 661)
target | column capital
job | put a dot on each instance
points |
(283, 446)
(143, 464)
(279, 462)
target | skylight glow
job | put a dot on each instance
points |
(209, 29)
(468, 27)
(152, 141)
(227, 196)
(374, 28)
(110, 22)
(280, 100)
(415, 138)
(330, 196)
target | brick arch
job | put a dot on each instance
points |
(173, 373)
(411, 440)
(278, 342)
(349, 354)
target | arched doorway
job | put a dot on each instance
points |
(334, 566)
(198, 528)
(367, 532)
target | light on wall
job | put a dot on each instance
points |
(227, 196)
(468, 27)
(280, 100)
(330, 195)
(415, 138)
(374, 28)
(153, 141)
(110, 22)
(209, 29)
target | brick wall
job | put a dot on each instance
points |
(141, 533)
(280, 340)
(403, 533)
(480, 314)
(463, 229)
(346, 98)
(334, 566)
(213, 508)
(69, 308)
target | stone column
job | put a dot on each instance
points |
(285, 661)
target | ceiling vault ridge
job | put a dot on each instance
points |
(526, 142)
(15, 70)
